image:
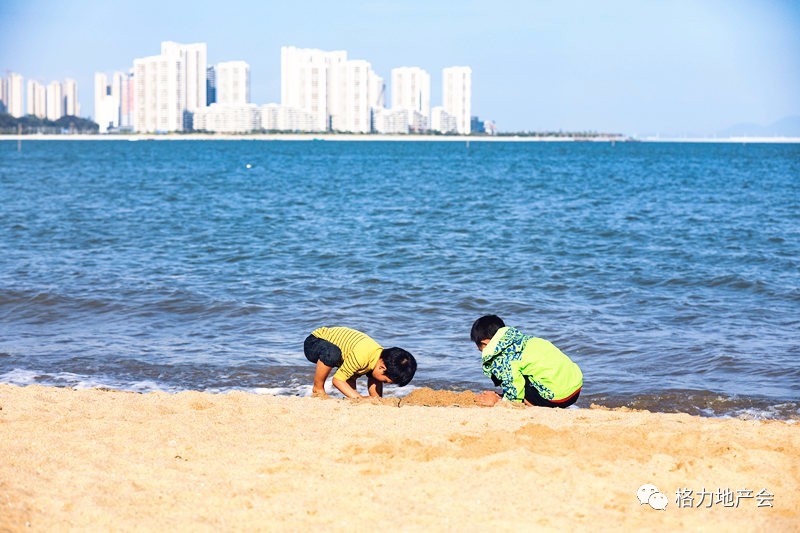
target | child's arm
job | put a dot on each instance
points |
(346, 388)
(374, 387)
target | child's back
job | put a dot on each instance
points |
(528, 368)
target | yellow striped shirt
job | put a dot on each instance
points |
(359, 352)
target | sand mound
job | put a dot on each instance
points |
(439, 398)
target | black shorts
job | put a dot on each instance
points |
(317, 349)
(533, 396)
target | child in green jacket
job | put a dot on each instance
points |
(529, 369)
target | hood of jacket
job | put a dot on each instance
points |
(506, 344)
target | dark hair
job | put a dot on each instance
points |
(400, 365)
(485, 328)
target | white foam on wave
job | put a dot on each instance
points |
(306, 390)
(787, 412)
(23, 378)
(19, 377)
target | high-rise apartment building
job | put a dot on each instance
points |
(351, 96)
(35, 102)
(457, 96)
(339, 94)
(305, 81)
(411, 91)
(71, 106)
(113, 101)
(55, 101)
(194, 65)
(211, 85)
(232, 83)
(159, 93)
(168, 88)
(125, 82)
(377, 91)
(16, 95)
(106, 106)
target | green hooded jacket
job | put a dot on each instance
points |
(512, 358)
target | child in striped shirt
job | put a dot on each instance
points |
(356, 354)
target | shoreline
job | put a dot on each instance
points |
(389, 138)
(110, 460)
(702, 403)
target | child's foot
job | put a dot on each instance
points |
(317, 393)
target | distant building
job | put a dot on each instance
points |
(16, 95)
(113, 102)
(71, 105)
(442, 121)
(390, 121)
(55, 101)
(158, 97)
(411, 91)
(168, 88)
(194, 65)
(457, 96)
(276, 117)
(35, 100)
(107, 102)
(228, 118)
(3, 95)
(306, 82)
(211, 86)
(124, 82)
(232, 83)
(377, 91)
(351, 101)
(476, 125)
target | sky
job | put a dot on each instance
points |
(636, 67)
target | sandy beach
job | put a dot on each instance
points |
(102, 460)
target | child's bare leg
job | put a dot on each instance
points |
(320, 375)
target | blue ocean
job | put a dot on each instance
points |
(669, 272)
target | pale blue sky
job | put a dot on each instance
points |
(669, 67)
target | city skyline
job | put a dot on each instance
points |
(178, 90)
(675, 68)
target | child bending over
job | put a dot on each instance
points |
(356, 354)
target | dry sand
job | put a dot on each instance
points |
(104, 460)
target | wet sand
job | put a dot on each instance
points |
(431, 461)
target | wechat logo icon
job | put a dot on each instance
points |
(649, 494)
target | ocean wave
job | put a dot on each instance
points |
(296, 386)
(703, 403)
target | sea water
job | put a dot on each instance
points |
(669, 272)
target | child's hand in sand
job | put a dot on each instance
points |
(487, 398)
